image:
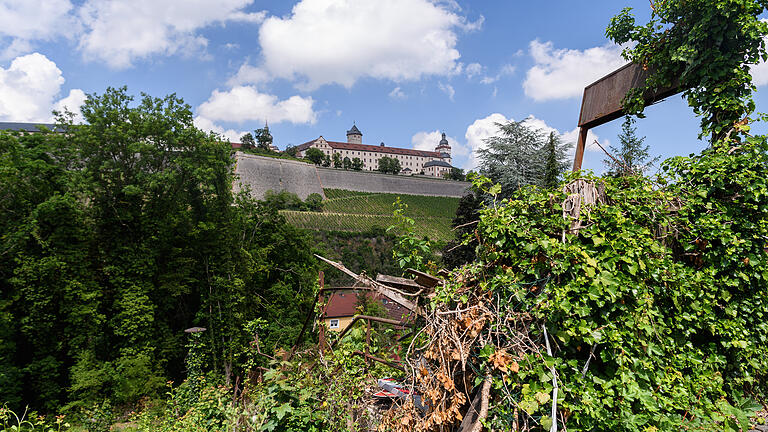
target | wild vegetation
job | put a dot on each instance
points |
(117, 235)
(621, 303)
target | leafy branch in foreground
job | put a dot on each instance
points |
(707, 46)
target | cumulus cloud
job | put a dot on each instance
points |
(484, 128)
(119, 32)
(563, 73)
(29, 88)
(72, 103)
(24, 21)
(342, 41)
(248, 74)
(246, 103)
(208, 125)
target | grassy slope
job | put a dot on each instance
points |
(360, 211)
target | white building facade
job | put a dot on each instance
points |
(432, 163)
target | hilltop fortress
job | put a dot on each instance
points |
(430, 163)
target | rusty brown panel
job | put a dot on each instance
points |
(602, 99)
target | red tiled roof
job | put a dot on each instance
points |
(382, 149)
(343, 304)
(235, 145)
(372, 148)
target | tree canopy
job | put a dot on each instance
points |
(118, 234)
(522, 155)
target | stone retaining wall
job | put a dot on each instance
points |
(386, 183)
(262, 173)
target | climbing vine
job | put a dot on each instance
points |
(707, 46)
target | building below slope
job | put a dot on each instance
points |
(433, 163)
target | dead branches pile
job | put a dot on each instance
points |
(467, 357)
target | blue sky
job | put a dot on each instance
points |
(402, 70)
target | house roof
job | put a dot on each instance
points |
(344, 303)
(373, 148)
(437, 163)
(28, 127)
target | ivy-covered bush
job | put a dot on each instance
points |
(654, 309)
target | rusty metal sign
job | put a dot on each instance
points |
(602, 101)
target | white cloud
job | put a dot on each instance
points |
(505, 70)
(208, 125)
(119, 32)
(23, 21)
(248, 74)
(760, 74)
(28, 89)
(72, 102)
(429, 140)
(397, 93)
(760, 70)
(473, 69)
(486, 127)
(563, 73)
(447, 89)
(246, 103)
(342, 41)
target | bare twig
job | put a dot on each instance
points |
(554, 383)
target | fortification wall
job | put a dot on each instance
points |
(262, 173)
(387, 183)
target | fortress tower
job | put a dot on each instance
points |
(444, 148)
(354, 136)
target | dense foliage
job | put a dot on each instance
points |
(523, 155)
(389, 165)
(117, 235)
(653, 302)
(314, 155)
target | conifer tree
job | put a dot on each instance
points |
(633, 157)
(556, 161)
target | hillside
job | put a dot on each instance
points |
(361, 212)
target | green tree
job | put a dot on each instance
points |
(513, 158)
(357, 164)
(115, 236)
(337, 160)
(707, 46)
(264, 138)
(633, 157)
(326, 161)
(555, 160)
(384, 164)
(247, 141)
(346, 163)
(291, 150)
(314, 155)
(455, 174)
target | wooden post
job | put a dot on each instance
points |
(321, 326)
(580, 145)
